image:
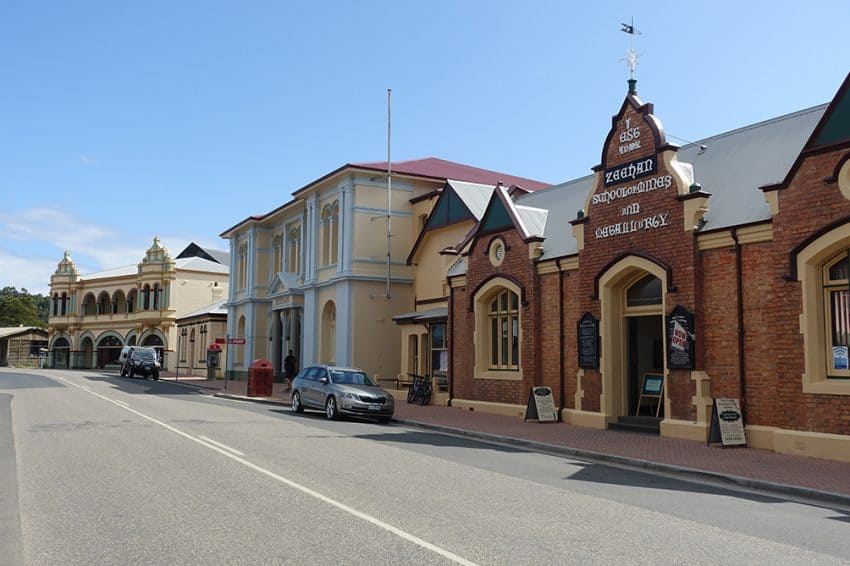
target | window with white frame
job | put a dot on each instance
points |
(836, 303)
(503, 330)
(293, 245)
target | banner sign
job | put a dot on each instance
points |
(681, 353)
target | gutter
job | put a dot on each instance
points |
(739, 290)
(560, 334)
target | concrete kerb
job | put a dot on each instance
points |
(804, 493)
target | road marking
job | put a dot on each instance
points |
(220, 445)
(304, 489)
(122, 403)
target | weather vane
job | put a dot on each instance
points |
(631, 54)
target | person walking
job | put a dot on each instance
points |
(290, 367)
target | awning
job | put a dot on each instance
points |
(422, 317)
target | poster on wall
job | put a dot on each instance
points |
(839, 357)
(588, 341)
(680, 339)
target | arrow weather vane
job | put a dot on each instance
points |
(631, 55)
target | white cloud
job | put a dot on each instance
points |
(93, 247)
(30, 273)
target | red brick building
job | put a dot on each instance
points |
(669, 277)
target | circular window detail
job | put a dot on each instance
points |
(844, 179)
(497, 252)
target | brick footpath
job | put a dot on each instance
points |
(824, 480)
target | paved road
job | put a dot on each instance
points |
(97, 469)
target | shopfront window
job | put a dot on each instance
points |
(837, 315)
(439, 351)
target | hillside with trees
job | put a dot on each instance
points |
(21, 308)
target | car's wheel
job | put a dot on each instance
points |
(331, 410)
(156, 376)
(295, 402)
(132, 373)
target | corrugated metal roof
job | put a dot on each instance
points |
(458, 268)
(735, 164)
(533, 219)
(215, 308)
(562, 203)
(421, 316)
(189, 263)
(474, 195)
(9, 331)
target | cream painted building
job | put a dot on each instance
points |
(93, 316)
(319, 274)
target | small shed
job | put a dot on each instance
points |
(22, 346)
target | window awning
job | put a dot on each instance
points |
(422, 317)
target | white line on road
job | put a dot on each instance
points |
(304, 489)
(220, 445)
(122, 403)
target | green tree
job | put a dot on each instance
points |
(17, 310)
(41, 302)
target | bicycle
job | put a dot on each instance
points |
(420, 390)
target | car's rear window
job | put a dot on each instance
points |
(351, 378)
(144, 355)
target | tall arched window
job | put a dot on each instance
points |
(334, 247)
(329, 333)
(503, 331)
(293, 245)
(64, 304)
(243, 266)
(132, 300)
(277, 245)
(146, 297)
(103, 304)
(55, 310)
(326, 236)
(498, 330)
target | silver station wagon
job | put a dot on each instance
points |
(341, 391)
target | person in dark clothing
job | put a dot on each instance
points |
(290, 368)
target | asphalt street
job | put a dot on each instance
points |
(99, 469)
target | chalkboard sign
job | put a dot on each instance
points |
(680, 339)
(652, 383)
(727, 424)
(541, 405)
(588, 341)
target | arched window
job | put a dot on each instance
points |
(89, 306)
(326, 236)
(146, 297)
(119, 303)
(103, 304)
(277, 244)
(64, 305)
(329, 333)
(334, 247)
(55, 310)
(293, 245)
(157, 295)
(498, 330)
(503, 331)
(243, 266)
(646, 291)
(132, 300)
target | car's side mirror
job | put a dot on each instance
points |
(324, 380)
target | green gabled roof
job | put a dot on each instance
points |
(496, 217)
(448, 210)
(836, 127)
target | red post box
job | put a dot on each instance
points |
(260, 378)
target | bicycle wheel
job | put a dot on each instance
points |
(411, 392)
(424, 395)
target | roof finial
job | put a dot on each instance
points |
(631, 54)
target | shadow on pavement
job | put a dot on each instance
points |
(140, 386)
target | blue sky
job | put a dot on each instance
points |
(125, 120)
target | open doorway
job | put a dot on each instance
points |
(645, 365)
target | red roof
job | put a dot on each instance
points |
(442, 169)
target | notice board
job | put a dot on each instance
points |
(727, 423)
(541, 405)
